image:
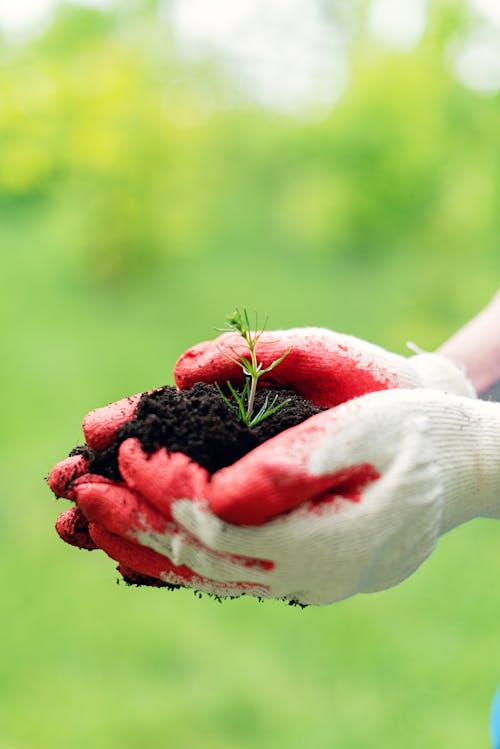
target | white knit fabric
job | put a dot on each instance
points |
(438, 456)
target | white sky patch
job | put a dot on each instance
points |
(488, 9)
(476, 61)
(283, 52)
(398, 23)
(24, 14)
(28, 15)
(95, 3)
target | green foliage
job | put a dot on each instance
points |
(127, 156)
(243, 403)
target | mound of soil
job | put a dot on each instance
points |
(199, 423)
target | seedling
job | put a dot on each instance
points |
(243, 403)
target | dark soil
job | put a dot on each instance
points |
(131, 577)
(199, 423)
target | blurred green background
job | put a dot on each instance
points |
(145, 189)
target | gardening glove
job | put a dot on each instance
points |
(340, 367)
(352, 500)
(323, 366)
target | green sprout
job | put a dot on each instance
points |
(243, 403)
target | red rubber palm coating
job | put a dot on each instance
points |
(101, 424)
(274, 478)
(64, 474)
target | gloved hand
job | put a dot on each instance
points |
(323, 366)
(352, 500)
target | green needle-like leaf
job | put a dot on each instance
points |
(270, 412)
(225, 398)
(275, 362)
(240, 400)
(239, 322)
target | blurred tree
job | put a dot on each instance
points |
(125, 153)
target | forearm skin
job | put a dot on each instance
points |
(476, 347)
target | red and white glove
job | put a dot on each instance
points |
(350, 500)
(369, 488)
(323, 366)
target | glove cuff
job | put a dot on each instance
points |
(466, 445)
(440, 373)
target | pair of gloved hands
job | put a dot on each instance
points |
(351, 500)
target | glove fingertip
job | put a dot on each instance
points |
(63, 475)
(73, 528)
(205, 362)
(189, 364)
(100, 425)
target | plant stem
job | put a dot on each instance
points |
(239, 322)
(254, 379)
(251, 397)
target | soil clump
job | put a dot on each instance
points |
(199, 424)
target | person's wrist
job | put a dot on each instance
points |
(476, 347)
